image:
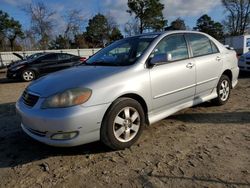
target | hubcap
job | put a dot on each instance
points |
(224, 90)
(28, 75)
(126, 124)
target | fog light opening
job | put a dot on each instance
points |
(64, 136)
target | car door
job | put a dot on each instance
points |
(66, 61)
(208, 63)
(173, 80)
(47, 63)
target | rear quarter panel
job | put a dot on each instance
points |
(230, 60)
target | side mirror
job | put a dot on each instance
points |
(160, 58)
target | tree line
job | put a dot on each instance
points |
(103, 29)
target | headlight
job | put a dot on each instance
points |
(71, 97)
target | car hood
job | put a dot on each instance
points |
(79, 76)
(17, 63)
(18, 55)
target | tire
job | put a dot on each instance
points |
(223, 91)
(123, 124)
(28, 75)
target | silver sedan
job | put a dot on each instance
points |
(131, 83)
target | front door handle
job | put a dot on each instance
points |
(190, 65)
(218, 58)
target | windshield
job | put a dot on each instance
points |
(123, 52)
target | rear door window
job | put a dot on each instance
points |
(64, 56)
(200, 45)
(50, 57)
(214, 48)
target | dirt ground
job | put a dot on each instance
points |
(203, 146)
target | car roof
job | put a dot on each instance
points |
(46, 53)
(167, 32)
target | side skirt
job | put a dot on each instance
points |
(153, 118)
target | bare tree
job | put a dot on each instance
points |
(238, 16)
(114, 32)
(132, 28)
(74, 21)
(111, 21)
(29, 41)
(42, 22)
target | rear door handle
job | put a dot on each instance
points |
(190, 65)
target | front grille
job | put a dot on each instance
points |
(29, 99)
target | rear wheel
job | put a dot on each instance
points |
(28, 75)
(122, 124)
(223, 90)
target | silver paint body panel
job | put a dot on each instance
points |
(165, 88)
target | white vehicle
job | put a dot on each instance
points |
(240, 44)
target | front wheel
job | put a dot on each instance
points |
(122, 124)
(28, 75)
(223, 90)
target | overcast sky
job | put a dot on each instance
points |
(189, 10)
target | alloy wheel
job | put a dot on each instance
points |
(28, 75)
(224, 90)
(126, 124)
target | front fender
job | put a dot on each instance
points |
(131, 82)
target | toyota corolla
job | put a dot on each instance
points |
(131, 83)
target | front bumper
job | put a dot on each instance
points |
(42, 124)
(12, 75)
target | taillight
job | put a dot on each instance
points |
(83, 59)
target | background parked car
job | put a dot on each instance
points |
(244, 62)
(40, 64)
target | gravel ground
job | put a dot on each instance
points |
(203, 146)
